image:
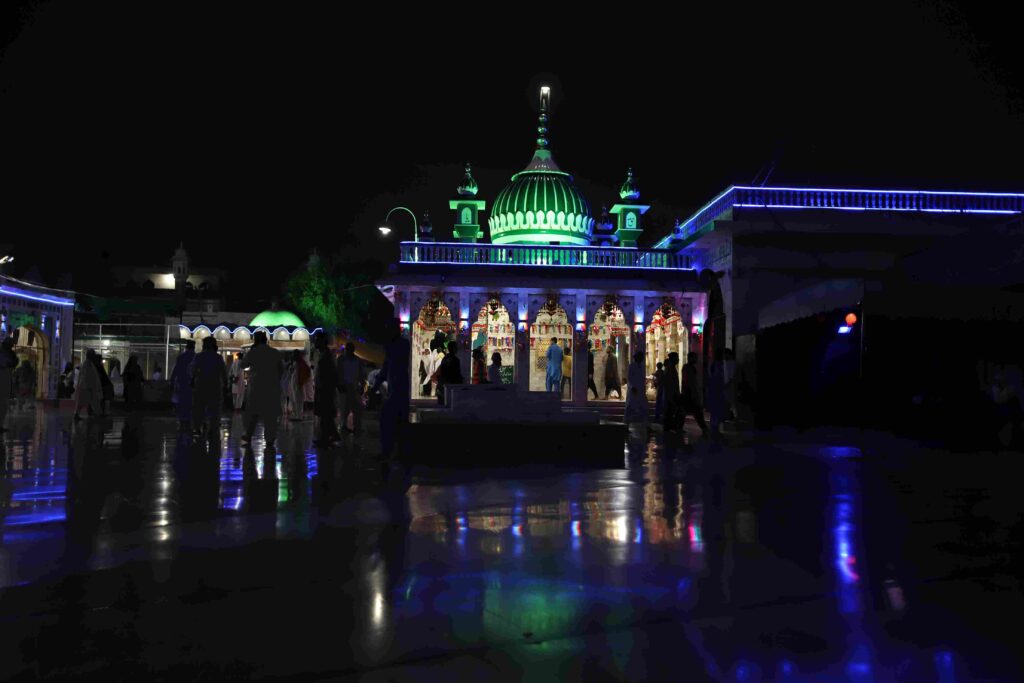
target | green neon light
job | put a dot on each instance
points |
(276, 319)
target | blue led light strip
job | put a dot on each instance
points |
(847, 199)
(46, 299)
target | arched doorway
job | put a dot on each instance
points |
(433, 329)
(551, 321)
(610, 341)
(31, 345)
(494, 332)
(666, 334)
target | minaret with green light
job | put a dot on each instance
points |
(629, 212)
(467, 209)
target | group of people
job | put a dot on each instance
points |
(678, 396)
(345, 379)
(267, 387)
(559, 370)
(93, 388)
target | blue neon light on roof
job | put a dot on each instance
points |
(847, 199)
(865, 208)
(844, 329)
(44, 298)
(857, 189)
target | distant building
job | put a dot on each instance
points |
(40, 320)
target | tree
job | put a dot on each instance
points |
(313, 294)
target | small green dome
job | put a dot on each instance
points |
(629, 191)
(272, 319)
(468, 186)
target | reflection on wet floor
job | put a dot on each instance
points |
(723, 562)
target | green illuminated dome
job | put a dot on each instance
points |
(541, 205)
(272, 319)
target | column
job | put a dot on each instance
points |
(522, 320)
(578, 316)
(465, 331)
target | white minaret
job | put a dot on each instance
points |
(180, 265)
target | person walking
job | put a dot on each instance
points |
(88, 390)
(25, 383)
(611, 375)
(692, 395)
(636, 390)
(352, 380)
(394, 414)
(181, 385)
(300, 378)
(325, 390)
(237, 377)
(672, 413)
(209, 383)
(132, 380)
(553, 377)
(8, 362)
(659, 392)
(479, 374)
(590, 369)
(263, 399)
(106, 386)
(566, 372)
(450, 371)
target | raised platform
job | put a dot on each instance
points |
(493, 424)
(483, 444)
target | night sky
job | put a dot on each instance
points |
(256, 135)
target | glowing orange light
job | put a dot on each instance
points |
(851, 318)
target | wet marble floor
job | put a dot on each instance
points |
(130, 551)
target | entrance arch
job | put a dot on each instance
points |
(551, 321)
(667, 333)
(433, 329)
(609, 336)
(494, 332)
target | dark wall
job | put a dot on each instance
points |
(930, 379)
(808, 373)
(922, 378)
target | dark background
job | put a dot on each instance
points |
(254, 133)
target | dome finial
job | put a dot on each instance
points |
(629, 189)
(542, 119)
(542, 160)
(468, 186)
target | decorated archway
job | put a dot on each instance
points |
(609, 336)
(666, 333)
(551, 321)
(494, 332)
(433, 328)
(30, 344)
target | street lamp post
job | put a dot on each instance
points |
(385, 227)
